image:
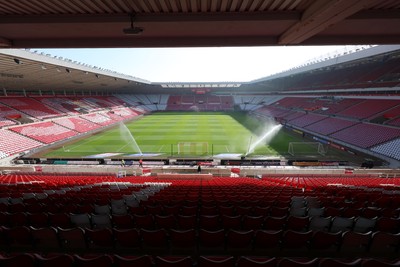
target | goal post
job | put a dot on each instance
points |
(193, 148)
(310, 148)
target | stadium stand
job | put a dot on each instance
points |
(143, 101)
(391, 117)
(99, 118)
(31, 107)
(199, 103)
(6, 122)
(60, 215)
(128, 113)
(329, 126)
(226, 102)
(252, 102)
(295, 102)
(101, 102)
(46, 132)
(368, 108)
(13, 143)
(307, 113)
(116, 115)
(366, 135)
(273, 112)
(341, 119)
(77, 124)
(390, 149)
(174, 102)
(293, 116)
(6, 113)
(379, 73)
(306, 120)
(395, 122)
(63, 104)
(163, 102)
(188, 99)
(65, 122)
(336, 105)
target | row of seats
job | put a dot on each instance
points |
(389, 149)
(202, 102)
(307, 119)
(66, 105)
(117, 260)
(98, 118)
(273, 186)
(202, 241)
(330, 125)
(213, 222)
(157, 205)
(31, 106)
(77, 124)
(145, 101)
(45, 132)
(376, 74)
(367, 135)
(368, 108)
(16, 143)
(4, 113)
(70, 104)
(140, 204)
(395, 122)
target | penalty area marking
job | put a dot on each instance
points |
(87, 141)
(227, 150)
(161, 148)
(122, 147)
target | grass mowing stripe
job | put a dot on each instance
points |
(159, 131)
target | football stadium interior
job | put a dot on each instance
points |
(298, 168)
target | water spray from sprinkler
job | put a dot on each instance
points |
(271, 132)
(126, 133)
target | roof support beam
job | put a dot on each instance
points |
(189, 41)
(320, 16)
(118, 18)
(4, 42)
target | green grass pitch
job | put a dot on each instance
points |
(225, 133)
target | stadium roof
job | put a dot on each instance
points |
(180, 23)
(31, 71)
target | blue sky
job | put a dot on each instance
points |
(220, 64)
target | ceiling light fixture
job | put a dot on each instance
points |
(133, 30)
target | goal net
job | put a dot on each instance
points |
(193, 148)
(306, 148)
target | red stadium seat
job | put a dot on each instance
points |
(45, 239)
(59, 260)
(183, 241)
(128, 261)
(93, 261)
(173, 261)
(17, 260)
(216, 261)
(245, 261)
